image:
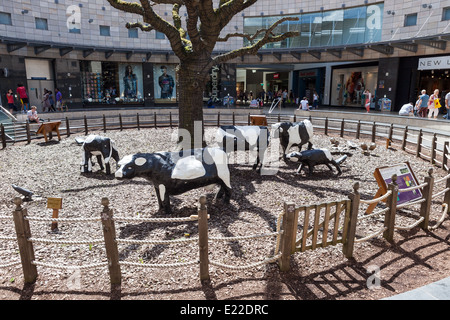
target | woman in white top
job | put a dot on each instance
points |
(304, 104)
(432, 111)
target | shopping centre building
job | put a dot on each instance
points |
(393, 48)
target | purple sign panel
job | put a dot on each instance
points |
(405, 180)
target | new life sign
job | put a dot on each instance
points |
(434, 63)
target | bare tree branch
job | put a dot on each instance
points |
(249, 37)
(130, 7)
(140, 25)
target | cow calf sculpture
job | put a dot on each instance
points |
(314, 157)
(293, 134)
(95, 145)
(174, 173)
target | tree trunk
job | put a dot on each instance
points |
(191, 83)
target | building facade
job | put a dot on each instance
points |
(392, 48)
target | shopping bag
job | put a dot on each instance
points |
(437, 104)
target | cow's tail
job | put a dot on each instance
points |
(341, 159)
(111, 146)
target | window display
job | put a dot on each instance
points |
(348, 85)
(111, 83)
(165, 83)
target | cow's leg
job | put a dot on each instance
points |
(310, 145)
(158, 197)
(108, 168)
(224, 190)
(163, 199)
(338, 167)
(329, 167)
(310, 169)
(300, 168)
(86, 165)
(100, 162)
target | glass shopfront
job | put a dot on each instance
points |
(111, 83)
(349, 84)
(165, 89)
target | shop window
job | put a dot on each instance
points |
(133, 33)
(446, 13)
(105, 31)
(111, 82)
(411, 20)
(164, 84)
(5, 18)
(41, 24)
(75, 30)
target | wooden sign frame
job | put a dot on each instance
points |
(56, 205)
(405, 179)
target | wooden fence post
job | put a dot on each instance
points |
(433, 149)
(351, 221)
(295, 117)
(170, 120)
(25, 247)
(248, 119)
(374, 132)
(203, 239)
(234, 119)
(112, 252)
(138, 122)
(120, 122)
(67, 127)
(85, 126)
(289, 231)
(389, 218)
(27, 127)
(154, 117)
(342, 128)
(326, 126)
(391, 132)
(218, 118)
(405, 136)
(3, 135)
(104, 123)
(419, 143)
(427, 193)
(447, 194)
(358, 129)
(445, 156)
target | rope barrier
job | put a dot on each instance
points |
(6, 217)
(401, 206)
(157, 265)
(11, 264)
(373, 235)
(439, 222)
(40, 219)
(246, 237)
(83, 267)
(373, 214)
(249, 266)
(377, 199)
(440, 193)
(156, 220)
(155, 242)
(8, 238)
(415, 224)
(71, 242)
(413, 188)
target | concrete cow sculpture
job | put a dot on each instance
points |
(244, 138)
(314, 157)
(95, 145)
(174, 173)
(293, 134)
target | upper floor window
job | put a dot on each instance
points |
(41, 24)
(5, 18)
(133, 33)
(105, 31)
(446, 13)
(411, 20)
(160, 35)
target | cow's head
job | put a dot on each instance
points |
(294, 156)
(133, 165)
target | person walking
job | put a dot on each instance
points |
(447, 105)
(434, 105)
(10, 98)
(424, 98)
(45, 101)
(58, 97)
(368, 97)
(315, 100)
(22, 92)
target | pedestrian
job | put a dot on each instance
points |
(304, 104)
(45, 101)
(58, 97)
(368, 97)
(284, 96)
(10, 98)
(51, 101)
(434, 105)
(424, 98)
(22, 92)
(315, 100)
(447, 104)
(407, 110)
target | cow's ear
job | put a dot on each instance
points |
(140, 161)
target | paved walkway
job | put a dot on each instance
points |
(439, 290)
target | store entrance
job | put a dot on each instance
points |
(433, 79)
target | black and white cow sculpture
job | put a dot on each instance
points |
(174, 173)
(95, 145)
(315, 157)
(293, 134)
(245, 138)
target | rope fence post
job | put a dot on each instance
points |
(350, 221)
(427, 195)
(138, 122)
(67, 127)
(155, 122)
(326, 126)
(218, 118)
(342, 128)
(405, 136)
(85, 126)
(120, 122)
(104, 124)
(433, 149)
(358, 130)
(445, 155)
(389, 219)
(374, 131)
(109, 233)
(419, 143)
(447, 194)
(3, 135)
(25, 247)
(27, 127)
(289, 231)
(234, 119)
(203, 239)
